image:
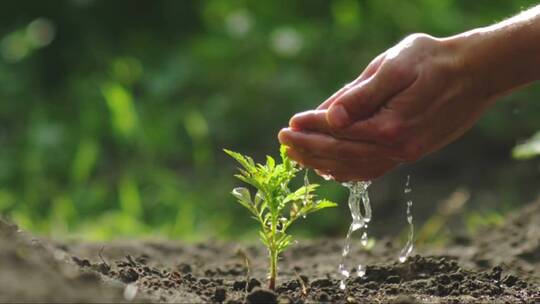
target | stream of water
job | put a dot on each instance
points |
(407, 250)
(358, 191)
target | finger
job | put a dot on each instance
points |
(343, 170)
(368, 72)
(313, 120)
(326, 146)
(378, 129)
(335, 96)
(368, 96)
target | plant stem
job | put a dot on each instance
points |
(273, 268)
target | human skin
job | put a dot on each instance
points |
(415, 98)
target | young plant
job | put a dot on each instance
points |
(274, 205)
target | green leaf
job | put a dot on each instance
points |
(244, 198)
(300, 194)
(264, 238)
(270, 163)
(245, 161)
(322, 204)
(528, 149)
(283, 242)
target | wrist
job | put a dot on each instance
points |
(498, 59)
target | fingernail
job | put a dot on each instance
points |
(338, 117)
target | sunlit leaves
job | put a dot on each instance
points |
(274, 200)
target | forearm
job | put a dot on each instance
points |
(501, 57)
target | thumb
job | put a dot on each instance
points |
(364, 99)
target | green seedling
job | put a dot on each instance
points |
(274, 205)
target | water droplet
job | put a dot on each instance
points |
(361, 271)
(364, 239)
(306, 184)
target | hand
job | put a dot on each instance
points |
(411, 100)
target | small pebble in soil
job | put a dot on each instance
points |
(261, 296)
(321, 283)
(324, 297)
(253, 283)
(81, 262)
(128, 275)
(184, 268)
(220, 294)
(102, 268)
(240, 285)
(510, 280)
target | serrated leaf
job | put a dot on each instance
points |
(325, 204)
(300, 194)
(283, 242)
(243, 195)
(270, 163)
(263, 238)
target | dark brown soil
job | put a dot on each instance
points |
(500, 265)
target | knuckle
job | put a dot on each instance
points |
(418, 39)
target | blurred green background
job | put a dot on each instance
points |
(113, 114)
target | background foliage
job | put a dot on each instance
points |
(113, 113)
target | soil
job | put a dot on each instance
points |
(499, 265)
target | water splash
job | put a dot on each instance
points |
(409, 246)
(358, 191)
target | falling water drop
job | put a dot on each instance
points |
(306, 184)
(364, 239)
(408, 188)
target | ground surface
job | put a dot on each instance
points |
(500, 265)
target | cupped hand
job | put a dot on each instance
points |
(410, 101)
